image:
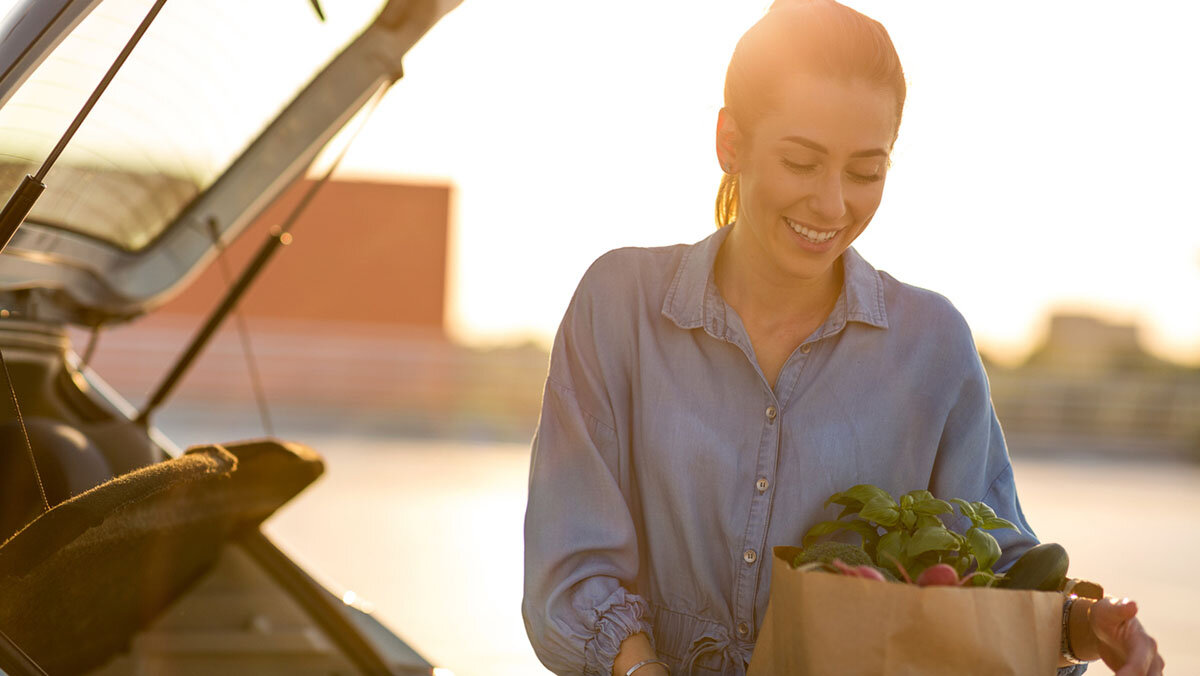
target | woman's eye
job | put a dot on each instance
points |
(798, 167)
(864, 178)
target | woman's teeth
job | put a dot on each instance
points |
(814, 236)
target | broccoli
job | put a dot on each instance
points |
(826, 552)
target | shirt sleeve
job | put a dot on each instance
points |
(972, 459)
(581, 554)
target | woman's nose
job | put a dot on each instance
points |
(828, 201)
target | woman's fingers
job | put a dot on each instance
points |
(1141, 650)
(1108, 617)
(1124, 644)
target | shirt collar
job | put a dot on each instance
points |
(693, 300)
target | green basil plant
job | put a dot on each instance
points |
(908, 535)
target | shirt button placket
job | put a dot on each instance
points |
(750, 555)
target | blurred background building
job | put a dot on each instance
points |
(346, 327)
(1089, 388)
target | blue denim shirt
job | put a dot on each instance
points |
(665, 469)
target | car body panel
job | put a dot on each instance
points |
(52, 273)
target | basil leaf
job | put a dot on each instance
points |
(932, 507)
(906, 502)
(931, 539)
(843, 499)
(920, 495)
(927, 521)
(864, 493)
(966, 509)
(850, 509)
(882, 510)
(891, 549)
(908, 518)
(984, 547)
(983, 511)
(823, 528)
(996, 522)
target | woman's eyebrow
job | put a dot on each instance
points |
(809, 143)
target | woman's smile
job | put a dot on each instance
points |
(810, 237)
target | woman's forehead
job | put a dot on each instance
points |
(837, 115)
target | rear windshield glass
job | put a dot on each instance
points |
(204, 81)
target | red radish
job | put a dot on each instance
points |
(845, 570)
(870, 573)
(864, 572)
(938, 575)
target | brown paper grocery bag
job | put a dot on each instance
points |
(820, 623)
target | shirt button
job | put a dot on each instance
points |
(743, 628)
(762, 484)
(750, 556)
(771, 413)
(805, 348)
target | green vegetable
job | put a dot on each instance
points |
(1043, 568)
(822, 555)
(909, 534)
(826, 552)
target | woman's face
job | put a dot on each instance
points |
(811, 172)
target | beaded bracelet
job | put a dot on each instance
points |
(643, 663)
(1068, 652)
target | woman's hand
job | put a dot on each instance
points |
(1122, 642)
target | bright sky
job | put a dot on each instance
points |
(1048, 158)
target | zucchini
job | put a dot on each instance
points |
(1043, 568)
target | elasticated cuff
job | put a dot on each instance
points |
(620, 616)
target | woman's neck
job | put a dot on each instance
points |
(764, 295)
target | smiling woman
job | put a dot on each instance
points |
(703, 399)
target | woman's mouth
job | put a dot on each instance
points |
(809, 234)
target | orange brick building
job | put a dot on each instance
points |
(351, 313)
(362, 251)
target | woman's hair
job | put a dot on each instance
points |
(818, 37)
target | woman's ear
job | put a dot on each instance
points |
(728, 142)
